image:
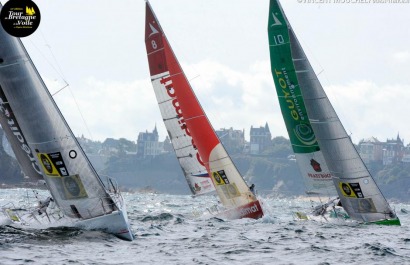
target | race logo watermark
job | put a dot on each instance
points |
(20, 18)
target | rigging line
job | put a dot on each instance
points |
(48, 61)
(52, 54)
(81, 114)
(194, 77)
(60, 73)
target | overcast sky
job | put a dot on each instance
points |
(362, 52)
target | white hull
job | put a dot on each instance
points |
(115, 223)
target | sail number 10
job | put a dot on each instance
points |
(278, 39)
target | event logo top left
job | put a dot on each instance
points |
(20, 18)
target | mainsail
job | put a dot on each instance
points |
(311, 163)
(358, 192)
(194, 169)
(70, 177)
(189, 128)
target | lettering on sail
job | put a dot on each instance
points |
(15, 129)
(320, 176)
(167, 82)
(288, 90)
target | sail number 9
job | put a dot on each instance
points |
(278, 39)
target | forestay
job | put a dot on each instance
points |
(358, 192)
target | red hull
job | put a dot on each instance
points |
(251, 210)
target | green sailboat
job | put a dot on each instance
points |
(318, 137)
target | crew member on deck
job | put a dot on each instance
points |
(252, 188)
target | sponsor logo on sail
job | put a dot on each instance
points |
(53, 164)
(289, 93)
(73, 187)
(276, 21)
(197, 187)
(167, 82)
(153, 30)
(220, 177)
(46, 163)
(352, 190)
(320, 176)
(315, 165)
(202, 185)
(367, 205)
(294, 106)
(304, 133)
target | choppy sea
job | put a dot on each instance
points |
(169, 229)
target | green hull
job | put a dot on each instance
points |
(386, 222)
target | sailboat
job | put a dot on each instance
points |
(33, 123)
(301, 93)
(196, 144)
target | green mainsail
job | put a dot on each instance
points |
(291, 102)
(312, 165)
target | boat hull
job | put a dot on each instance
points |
(114, 223)
(343, 217)
(386, 222)
(251, 210)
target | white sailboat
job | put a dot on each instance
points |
(196, 144)
(33, 123)
(316, 131)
